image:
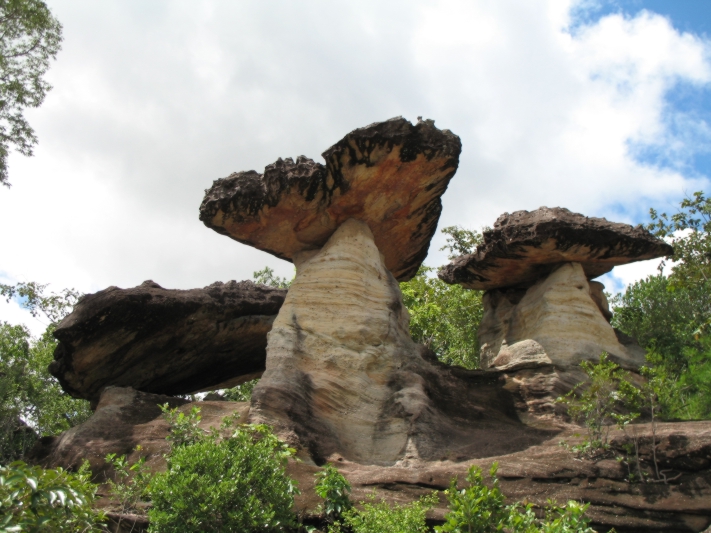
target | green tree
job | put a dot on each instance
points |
(443, 317)
(55, 501)
(30, 37)
(32, 403)
(266, 276)
(671, 315)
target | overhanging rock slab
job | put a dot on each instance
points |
(165, 341)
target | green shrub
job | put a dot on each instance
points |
(476, 508)
(237, 483)
(597, 402)
(240, 393)
(36, 500)
(479, 508)
(130, 483)
(334, 489)
(380, 517)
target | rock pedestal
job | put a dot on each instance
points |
(556, 321)
(338, 352)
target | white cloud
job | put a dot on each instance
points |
(154, 100)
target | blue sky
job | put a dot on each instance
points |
(692, 101)
(596, 106)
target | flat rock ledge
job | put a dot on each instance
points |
(543, 470)
(526, 246)
(165, 341)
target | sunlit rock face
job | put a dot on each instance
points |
(561, 320)
(336, 352)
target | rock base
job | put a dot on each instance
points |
(539, 470)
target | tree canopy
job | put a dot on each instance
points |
(30, 37)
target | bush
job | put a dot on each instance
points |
(596, 403)
(380, 517)
(33, 499)
(334, 489)
(237, 483)
(480, 509)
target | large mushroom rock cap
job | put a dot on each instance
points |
(165, 341)
(390, 175)
(525, 246)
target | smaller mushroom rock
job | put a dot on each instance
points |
(390, 175)
(555, 320)
(526, 246)
(165, 341)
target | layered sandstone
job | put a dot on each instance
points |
(556, 321)
(526, 246)
(343, 375)
(165, 341)
(390, 175)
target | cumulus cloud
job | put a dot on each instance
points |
(154, 100)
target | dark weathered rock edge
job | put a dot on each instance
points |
(245, 196)
(165, 341)
(513, 253)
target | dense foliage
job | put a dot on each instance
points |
(670, 315)
(54, 501)
(381, 517)
(32, 403)
(29, 38)
(480, 508)
(443, 317)
(233, 479)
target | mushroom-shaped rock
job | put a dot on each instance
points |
(389, 175)
(165, 341)
(343, 376)
(526, 246)
(542, 313)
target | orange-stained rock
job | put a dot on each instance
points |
(390, 175)
(526, 246)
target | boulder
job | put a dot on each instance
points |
(165, 341)
(526, 246)
(390, 175)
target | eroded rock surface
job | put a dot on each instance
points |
(557, 318)
(538, 336)
(165, 341)
(344, 377)
(390, 175)
(526, 246)
(536, 472)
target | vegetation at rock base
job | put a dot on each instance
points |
(33, 499)
(335, 491)
(231, 479)
(32, 403)
(381, 517)
(596, 404)
(30, 37)
(480, 508)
